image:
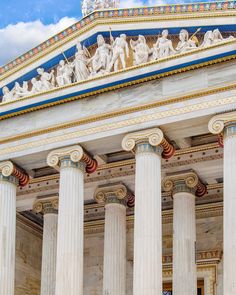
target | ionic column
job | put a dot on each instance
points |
(115, 197)
(10, 177)
(184, 187)
(72, 162)
(148, 146)
(48, 207)
(225, 126)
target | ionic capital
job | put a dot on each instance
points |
(154, 137)
(217, 124)
(187, 181)
(7, 169)
(46, 205)
(114, 193)
(74, 154)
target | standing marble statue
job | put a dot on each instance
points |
(80, 63)
(186, 43)
(163, 47)
(102, 57)
(64, 73)
(120, 50)
(140, 49)
(20, 91)
(47, 79)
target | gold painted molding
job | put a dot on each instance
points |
(126, 84)
(120, 124)
(124, 111)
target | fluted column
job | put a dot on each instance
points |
(72, 162)
(10, 177)
(225, 126)
(115, 197)
(184, 188)
(148, 146)
(48, 207)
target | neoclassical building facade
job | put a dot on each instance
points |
(118, 156)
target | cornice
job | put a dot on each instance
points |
(29, 225)
(124, 111)
(123, 16)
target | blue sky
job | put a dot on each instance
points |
(25, 23)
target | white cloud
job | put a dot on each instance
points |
(19, 38)
(140, 3)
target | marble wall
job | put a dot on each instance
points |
(28, 261)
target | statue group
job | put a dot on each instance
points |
(107, 58)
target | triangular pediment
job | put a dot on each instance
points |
(155, 30)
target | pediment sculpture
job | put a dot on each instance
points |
(107, 58)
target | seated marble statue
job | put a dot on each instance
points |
(186, 43)
(7, 94)
(36, 86)
(21, 91)
(102, 57)
(47, 79)
(120, 50)
(64, 73)
(140, 49)
(214, 37)
(80, 63)
(163, 47)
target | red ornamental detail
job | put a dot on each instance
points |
(91, 164)
(21, 175)
(168, 149)
(201, 189)
(221, 140)
(130, 200)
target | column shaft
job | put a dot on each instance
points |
(148, 222)
(114, 274)
(69, 271)
(229, 210)
(7, 236)
(184, 239)
(48, 273)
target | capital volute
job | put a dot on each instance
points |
(113, 193)
(174, 183)
(74, 154)
(217, 124)
(8, 169)
(154, 137)
(46, 205)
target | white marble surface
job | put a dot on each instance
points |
(229, 214)
(7, 236)
(69, 269)
(147, 277)
(49, 253)
(114, 269)
(184, 243)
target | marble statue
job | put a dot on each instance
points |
(186, 43)
(7, 94)
(140, 49)
(163, 47)
(102, 57)
(107, 58)
(80, 63)
(120, 50)
(20, 91)
(64, 73)
(36, 86)
(47, 79)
